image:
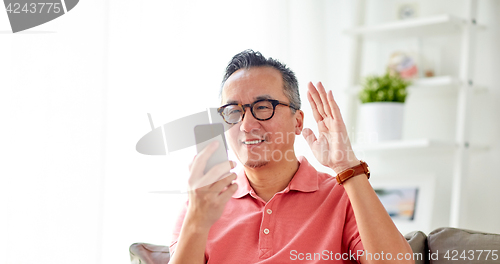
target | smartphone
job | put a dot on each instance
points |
(206, 134)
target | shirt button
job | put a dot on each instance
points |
(266, 231)
(269, 211)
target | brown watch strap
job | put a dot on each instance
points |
(346, 174)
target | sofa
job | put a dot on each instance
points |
(443, 245)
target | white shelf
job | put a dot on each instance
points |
(413, 144)
(448, 84)
(423, 83)
(435, 25)
(404, 145)
(437, 81)
(442, 83)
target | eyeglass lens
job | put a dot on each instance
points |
(261, 110)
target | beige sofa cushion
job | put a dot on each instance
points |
(451, 245)
(418, 243)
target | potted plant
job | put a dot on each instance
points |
(381, 112)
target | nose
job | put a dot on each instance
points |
(249, 123)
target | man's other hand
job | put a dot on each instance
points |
(209, 193)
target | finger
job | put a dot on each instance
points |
(200, 161)
(309, 136)
(228, 193)
(317, 99)
(221, 170)
(191, 163)
(219, 186)
(216, 173)
(334, 107)
(323, 96)
(314, 108)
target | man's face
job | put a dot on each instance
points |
(260, 143)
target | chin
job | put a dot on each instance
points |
(253, 160)
(256, 164)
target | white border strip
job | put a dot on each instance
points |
(64, 6)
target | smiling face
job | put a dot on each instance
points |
(261, 143)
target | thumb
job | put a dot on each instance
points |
(309, 136)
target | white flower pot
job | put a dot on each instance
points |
(380, 121)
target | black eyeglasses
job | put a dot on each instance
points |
(262, 110)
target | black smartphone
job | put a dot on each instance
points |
(206, 134)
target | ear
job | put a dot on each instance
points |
(299, 121)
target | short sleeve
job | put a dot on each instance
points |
(351, 238)
(177, 229)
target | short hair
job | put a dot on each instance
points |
(249, 58)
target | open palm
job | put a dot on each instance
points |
(332, 147)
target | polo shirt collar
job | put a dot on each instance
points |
(304, 180)
(244, 187)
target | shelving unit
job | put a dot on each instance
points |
(443, 83)
(441, 24)
(405, 145)
(422, 83)
(411, 145)
(437, 81)
(463, 84)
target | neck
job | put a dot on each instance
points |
(271, 178)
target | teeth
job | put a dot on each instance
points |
(252, 142)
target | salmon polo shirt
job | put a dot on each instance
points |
(310, 221)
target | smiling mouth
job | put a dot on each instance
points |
(252, 142)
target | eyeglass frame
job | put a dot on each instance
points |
(244, 106)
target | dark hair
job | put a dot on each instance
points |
(249, 58)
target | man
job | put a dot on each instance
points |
(280, 209)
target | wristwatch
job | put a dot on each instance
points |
(346, 174)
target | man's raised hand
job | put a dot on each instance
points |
(332, 148)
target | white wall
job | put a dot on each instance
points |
(481, 209)
(52, 98)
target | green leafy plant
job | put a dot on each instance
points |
(385, 88)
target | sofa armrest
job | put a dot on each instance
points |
(143, 253)
(418, 244)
